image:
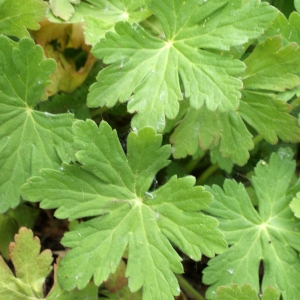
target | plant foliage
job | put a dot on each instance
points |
(109, 109)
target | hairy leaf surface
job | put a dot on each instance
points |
(113, 188)
(145, 70)
(269, 234)
(29, 139)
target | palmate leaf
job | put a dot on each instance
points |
(145, 70)
(269, 234)
(32, 268)
(29, 139)
(113, 188)
(16, 16)
(271, 67)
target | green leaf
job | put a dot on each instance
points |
(208, 129)
(288, 29)
(113, 188)
(11, 221)
(269, 235)
(101, 16)
(295, 205)
(297, 5)
(29, 139)
(145, 70)
(62, 9)
(269, 117)
(31, 269)
(272, 67)
(16, 16)
(246, 292)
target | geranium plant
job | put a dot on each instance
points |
(146, 132)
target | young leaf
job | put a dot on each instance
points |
(113, 188)
(29, 139)
(145, 70)
(269, 234)
(16, 16)
(32, 268)
(246, 292)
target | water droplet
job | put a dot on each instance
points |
(48, 114)
(230, 271)
(149, 195)
(134, 130)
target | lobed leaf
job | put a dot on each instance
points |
(246, 292)
(112, 187)
(209, 129)
(32, 268)
(16, 16)
(29, 139)
(99, 17)
(145, 70)
(268, 235)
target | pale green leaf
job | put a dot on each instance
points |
(270, 117)
(31, 269)
(16, 16)
(272, 67)
(58, 293)
(208, 129)
(224, 163)
(101, 16)
(295, 205)
(288, 29)
(246, 292)
(269, 235)
(11, 221)
(62, 9)
(297, 5)
(113, 188)
(29, 139)
(145, 70)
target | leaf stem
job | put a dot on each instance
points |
(209, 171)
(191, 165)
(258, 139)
(295, 102)
(188, 289)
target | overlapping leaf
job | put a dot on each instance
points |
(101, 16)
(32, 268)
(16, 16)
(270, 68)
(113, 188)
(29, 139)
(269, 234)
(146, 70)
